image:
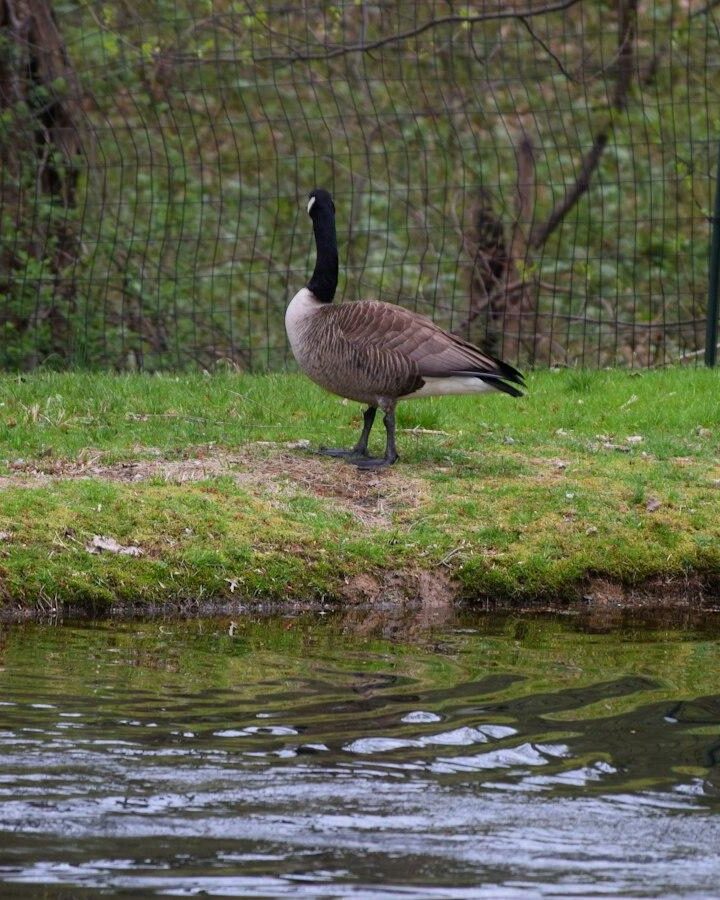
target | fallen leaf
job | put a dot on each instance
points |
(653, 504)
(100, 542)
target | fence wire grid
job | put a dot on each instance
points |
(535, 176)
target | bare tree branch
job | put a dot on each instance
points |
(524, 197)
(500, 14)
(543, 231)
(546, 48)
(627, 10)
(626, 51)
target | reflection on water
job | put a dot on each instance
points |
(361, 755)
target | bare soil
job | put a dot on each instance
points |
(277, 469)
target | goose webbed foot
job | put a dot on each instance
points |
(360, 450)
(391, 456)
(338, 453)
(373, 462)
(359, 456)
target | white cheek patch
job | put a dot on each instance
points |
(310, 204)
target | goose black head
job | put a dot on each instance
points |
(320, 200)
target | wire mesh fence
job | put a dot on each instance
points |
(536, 176)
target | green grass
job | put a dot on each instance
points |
(512, 499)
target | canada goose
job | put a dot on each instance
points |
(378, 353)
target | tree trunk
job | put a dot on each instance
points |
(40, 153)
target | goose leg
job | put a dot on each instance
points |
(391, 456)
(360, 449)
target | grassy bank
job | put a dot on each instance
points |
(162, 489)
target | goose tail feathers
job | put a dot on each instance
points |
(504, 378)
(496, 381)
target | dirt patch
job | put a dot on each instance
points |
(372, 497)
(281, 471)
(432, 589)
(408, 604)
(675, 592)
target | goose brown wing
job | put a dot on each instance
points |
(435, 353)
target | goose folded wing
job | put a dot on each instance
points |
(434, 352)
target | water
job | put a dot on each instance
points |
(360, 755)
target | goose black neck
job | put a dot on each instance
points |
(324, 279)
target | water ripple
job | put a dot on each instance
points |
(290, 763)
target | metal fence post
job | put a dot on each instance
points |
(711, 334)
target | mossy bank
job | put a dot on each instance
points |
(167, 490)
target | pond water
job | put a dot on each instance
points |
(361, 754)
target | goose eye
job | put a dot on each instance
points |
(310, 204)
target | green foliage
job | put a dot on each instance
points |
(207, 128)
